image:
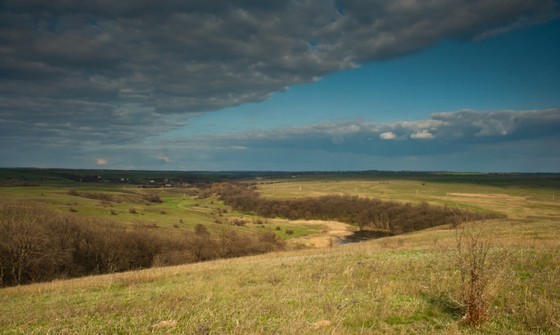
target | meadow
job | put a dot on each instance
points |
(400, 284)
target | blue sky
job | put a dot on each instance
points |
(519, 70)
(348, 85)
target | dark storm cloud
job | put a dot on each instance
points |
(105, 67)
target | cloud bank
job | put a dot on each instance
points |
(466, 140)
(119, 72)
(442, 133)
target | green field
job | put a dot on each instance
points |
(396, 285)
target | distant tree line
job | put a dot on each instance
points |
(40, 245)
(393, 217)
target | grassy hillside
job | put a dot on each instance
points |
(402, 284)
(395, 285)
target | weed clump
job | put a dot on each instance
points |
(479, 268)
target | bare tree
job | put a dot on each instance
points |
(21, 239)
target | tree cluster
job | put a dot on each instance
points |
(390, 216)
(39, 245)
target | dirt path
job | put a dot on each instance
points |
(493, 196)
(334, 230)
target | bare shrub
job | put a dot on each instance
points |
(200, 229)
(162, 212)
(72, 209)
(239, 223)
(478, 268)
(278, 228)
(132, 210)
(289, 232)
(97, 196)
(154, 198)
(293, 215)
(113, 212)
(72, 192)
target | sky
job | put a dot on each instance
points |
(305, 85)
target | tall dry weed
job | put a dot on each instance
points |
(479, 265)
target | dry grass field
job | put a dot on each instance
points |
(407, 284)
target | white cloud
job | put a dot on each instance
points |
(164, 158)
(388, 136)
(424, 134)
(101, 161)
